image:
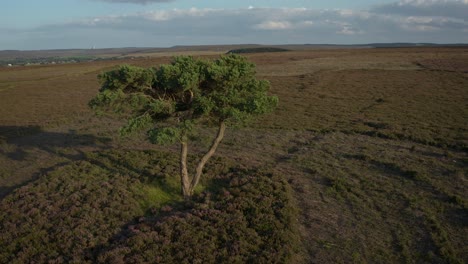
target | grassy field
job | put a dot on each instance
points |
(364, 161)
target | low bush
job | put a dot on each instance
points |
(123, 206)
(248, 221)
(62, 216)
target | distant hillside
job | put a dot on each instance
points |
(407, 45)
(28, 57)
(257, 50)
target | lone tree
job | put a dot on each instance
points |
(173, 100)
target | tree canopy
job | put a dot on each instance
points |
(172, 100)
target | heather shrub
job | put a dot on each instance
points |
(62, 216)
(121, 206)
(250, 220)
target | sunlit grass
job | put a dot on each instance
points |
(159, 193)
(155, 196)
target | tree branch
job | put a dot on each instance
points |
(208, 155)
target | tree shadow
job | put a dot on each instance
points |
(23, 137)
(17, 141)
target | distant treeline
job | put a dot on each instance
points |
(48, 60)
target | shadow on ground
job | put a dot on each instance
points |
(22, 146)
(34, 136)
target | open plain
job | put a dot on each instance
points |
(370, 146)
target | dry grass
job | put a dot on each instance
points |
(373, 141)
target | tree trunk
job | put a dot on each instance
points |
(187, 186)
(184, 177)
(207, 156)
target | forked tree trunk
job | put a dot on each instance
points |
(207, 156)
(188, 186)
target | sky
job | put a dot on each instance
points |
(66, 24)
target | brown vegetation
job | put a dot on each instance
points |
(372, 141)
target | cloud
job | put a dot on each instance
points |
(177, 13)
(139, 2)
(426, 15)
(443, 8)
(248, 25)
(274, 25)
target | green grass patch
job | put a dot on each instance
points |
(156, 196)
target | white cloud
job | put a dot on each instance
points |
(254, 25)
(157, 16)
(274, 25)
(165, 15)
(100, 21)
(445, 8)
(309, 22)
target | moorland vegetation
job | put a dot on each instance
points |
(363, 161)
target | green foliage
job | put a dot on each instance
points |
(182, 75)
(180, 95)
(127, 78)
(107, 100)
(233, 93)
(135, 123)
(123, 91)
(165, 135)
(162, 108)
(185, 91)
